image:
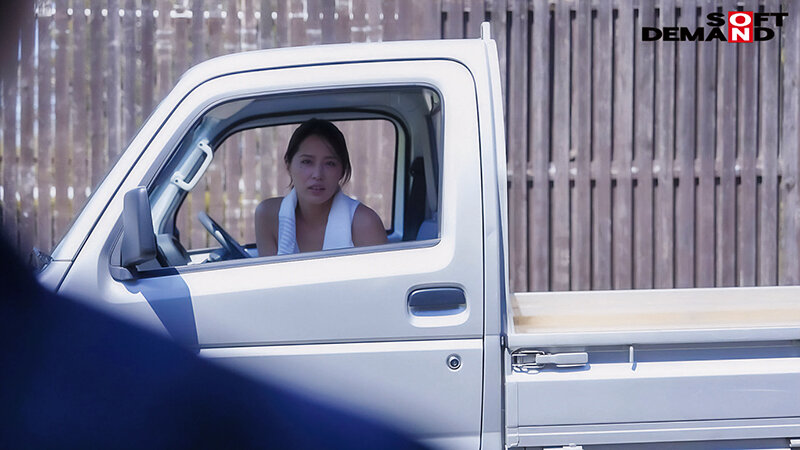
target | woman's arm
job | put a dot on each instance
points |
(267, 226)
(367, 227)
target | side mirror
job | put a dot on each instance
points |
(138, 237)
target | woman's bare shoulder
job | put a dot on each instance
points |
(367, 227)
(266, 214)
(266, 218)
(269, 207)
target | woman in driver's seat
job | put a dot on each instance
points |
(316, 214)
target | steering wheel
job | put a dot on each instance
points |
(226, 240)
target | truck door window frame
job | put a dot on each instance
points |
(363, 119)
(402, 160)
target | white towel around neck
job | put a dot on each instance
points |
(338, 231)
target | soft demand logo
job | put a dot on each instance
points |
(742, 27)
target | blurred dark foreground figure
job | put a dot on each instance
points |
(71, 377)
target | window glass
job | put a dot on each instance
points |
(232, 159)
(248, 167)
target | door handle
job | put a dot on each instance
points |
(527, 359)
(563, 359)
(444, 301)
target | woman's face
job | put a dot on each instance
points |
(315, 170)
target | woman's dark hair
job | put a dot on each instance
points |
(326, 130)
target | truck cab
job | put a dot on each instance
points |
(421, 332)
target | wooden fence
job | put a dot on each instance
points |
(631, 164)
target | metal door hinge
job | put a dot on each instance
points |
(524, 359)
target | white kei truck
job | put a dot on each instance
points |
(422, 332)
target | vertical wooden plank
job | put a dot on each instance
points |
(282, 179)
(746, 143)
(44, 213)
(581, 149)
(685, 150)
(602, 44)
(281, 135)
(328, 22)
(358, 21)
(560, 152)
(313, 23)
(148, 56)
(498, 12)
(269, 162)
(359, 184)
(623, 146)
(62, 211)
(643, 153)
(427, 20)
(282, 23)
(374, 21)
(129, 120)
(266, 25)
(789, 266)
(518, 145)
(214, 197)
(405, 12)
(539, 128)
(181, 23)
(249, 164)
(197, 234)
(264, 180)
(265, 166)
(363, 144)
(475, 12)
(98, 127)
(165, 52)
(379, 156)
(198, 31)
(26, 170)
(80, 95)
(165, 38)
(10, 89)
(725, 161)
(388, 139)
(297, 24)
(342, 17)
(453, 19)
(768, 131)
(664, 122)
(357, 148)
(706, 119)
(232, 148)
(389, 23)
(112, 69)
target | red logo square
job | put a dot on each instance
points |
(740, 26)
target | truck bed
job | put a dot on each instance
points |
(661, 366)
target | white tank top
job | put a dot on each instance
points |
(338, 231)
